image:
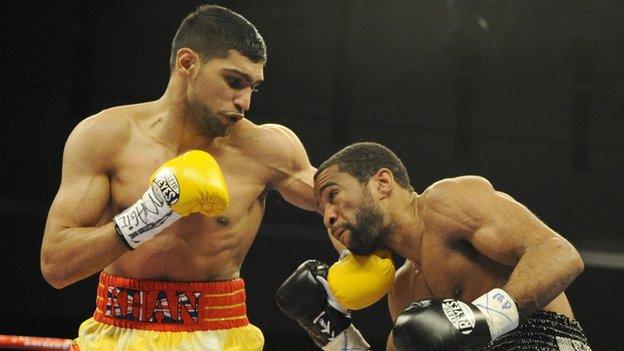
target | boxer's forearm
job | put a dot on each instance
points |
(542, 273)
(73, 254)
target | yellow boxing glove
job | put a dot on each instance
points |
(189, 183)
(357, 282)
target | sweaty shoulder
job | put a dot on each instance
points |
(275, 138)
(272, 144)
(454, 200)
(459, 185)
(99, 137)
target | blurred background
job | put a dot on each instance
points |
(529, 94)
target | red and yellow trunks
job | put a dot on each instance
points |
(152, 315)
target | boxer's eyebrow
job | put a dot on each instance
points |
(244, 75)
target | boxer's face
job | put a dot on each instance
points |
(220, 93)
(350, 213)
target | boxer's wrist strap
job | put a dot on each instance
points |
(499, 310)
(121, 237)
(350, 339)
(145, 218)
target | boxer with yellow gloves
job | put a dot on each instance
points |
(169, 257)
(320, 298)
(189, 183)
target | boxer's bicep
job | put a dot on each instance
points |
(294, 173)
(506, 228)
(298, 189)
(79, 202)
(84, 191)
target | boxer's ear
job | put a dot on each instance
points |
(382, 183)
(187, 61)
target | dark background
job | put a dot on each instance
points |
(529, 94)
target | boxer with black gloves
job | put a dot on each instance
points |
(462, 241)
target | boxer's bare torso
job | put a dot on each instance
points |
(198, 247)
(127, 144)
(446, 263)
(448, 266)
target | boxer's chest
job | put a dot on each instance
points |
(457, 271)
(131, 174)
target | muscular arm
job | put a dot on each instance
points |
(73, 247)
(507, 232)
(294, 181)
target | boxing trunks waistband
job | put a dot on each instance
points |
(170, 306)
(543, 330)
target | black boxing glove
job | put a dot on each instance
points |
(449, 324)
(305, 297)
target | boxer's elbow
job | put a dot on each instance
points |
(56, 281)
(576, 267)
(577, 264)
(54, 275)
(573, 262)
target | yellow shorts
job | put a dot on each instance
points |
(97, 336)
(151, 315)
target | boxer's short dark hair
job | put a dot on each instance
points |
(362, 160)
(213, 30)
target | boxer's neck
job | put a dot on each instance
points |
(407, 226)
